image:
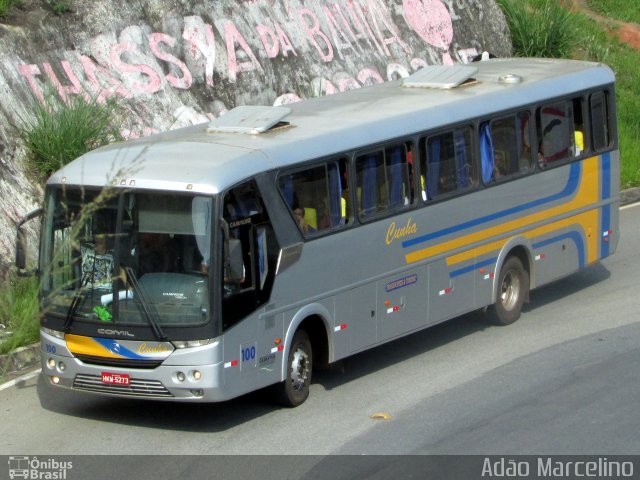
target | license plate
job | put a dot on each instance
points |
(115, 378)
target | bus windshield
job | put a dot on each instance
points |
(126, 257)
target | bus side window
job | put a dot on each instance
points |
(599, 110)
(317, 196)
(448, 161)
(383, 181)
(560, 131)
(505, 147)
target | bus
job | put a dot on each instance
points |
(214, 260)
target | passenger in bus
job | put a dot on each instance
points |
(302, 223)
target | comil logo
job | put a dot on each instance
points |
(33, 468)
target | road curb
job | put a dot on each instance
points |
(631, 195)
(19, 361)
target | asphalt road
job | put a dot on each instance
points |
(564, 379)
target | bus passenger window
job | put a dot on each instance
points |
(505, 147)
(557, 124)
(317, 196)
(448, 161)
(384, 181)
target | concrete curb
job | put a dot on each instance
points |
(19, 361)
(632, 195)
(25, 359)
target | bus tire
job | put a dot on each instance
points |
(295, 389)
(512, 290)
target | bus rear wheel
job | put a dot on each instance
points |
(295, 389)
(512, 290)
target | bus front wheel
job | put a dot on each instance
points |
(512, 290)
(295, 389)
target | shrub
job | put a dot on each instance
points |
(5, 6)
(60, 131)
(19, 312)
(540, 28)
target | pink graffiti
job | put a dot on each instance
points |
(232, 35)
(153, 83)
(194, 30)
(314, 33)
(431, 20)
(274, 42)
(183, 82)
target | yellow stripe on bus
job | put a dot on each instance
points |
(587, 195)
(80, 345)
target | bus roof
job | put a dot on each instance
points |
(204, 158)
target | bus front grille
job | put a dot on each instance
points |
(118, 362)
(136, 387)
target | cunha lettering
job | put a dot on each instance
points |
(396, 233)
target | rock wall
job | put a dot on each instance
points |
(172, 63)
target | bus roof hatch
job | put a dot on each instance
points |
(441, 76)
(249, 119)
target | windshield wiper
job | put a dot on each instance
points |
(149, 314)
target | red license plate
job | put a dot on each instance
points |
(115, 378)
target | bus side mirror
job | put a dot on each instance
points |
(22, 244)
(21, 250)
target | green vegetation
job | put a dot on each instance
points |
(19, 313)
(624, 10)
(585, 39)
(5, 5)
(540, 28)
(61, 131)
(60, 6)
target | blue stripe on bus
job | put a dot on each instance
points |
(577, 239)
(114, 347)
(605, 158)
(606, 210)
(570, 188)
(470, 268)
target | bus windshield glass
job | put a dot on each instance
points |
(126, 257)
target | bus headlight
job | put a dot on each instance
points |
(192, 343)
(51, 363)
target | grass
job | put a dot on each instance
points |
(585, 39)
(19, 313)
(60, 131)
(625, 10)
(540, 28)
(5, 6)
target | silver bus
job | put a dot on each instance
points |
(210, 261)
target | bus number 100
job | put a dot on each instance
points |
(248, 353)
